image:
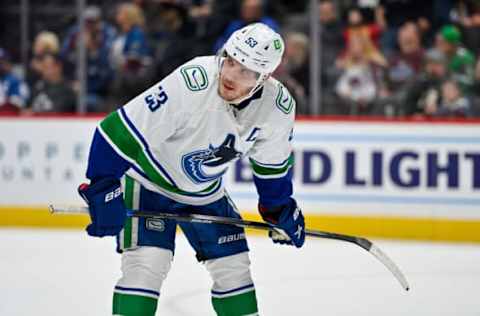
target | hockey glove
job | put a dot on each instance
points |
(290, 221)
(106, 207)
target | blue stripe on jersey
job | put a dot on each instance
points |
(133, 289)
(103, 161)
(234, 290)
(145, 145)
(281, 164)
(274, 192)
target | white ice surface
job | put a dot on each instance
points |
(68, 273)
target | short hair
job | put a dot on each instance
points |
(48, 40)
(134, 13)
(92, 12)
(298, 38)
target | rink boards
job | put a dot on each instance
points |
(396, 179)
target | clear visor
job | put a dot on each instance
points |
(238, 69)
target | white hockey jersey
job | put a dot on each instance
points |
(179, 136)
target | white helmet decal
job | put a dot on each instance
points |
(257, 47)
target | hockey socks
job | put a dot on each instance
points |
(239, 302)
(244, 304)
(134, 304)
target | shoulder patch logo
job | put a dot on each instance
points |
(284, 100)
(195, 77)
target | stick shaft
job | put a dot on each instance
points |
(211, 219)
(206, 219)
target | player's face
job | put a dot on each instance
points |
(236, 81)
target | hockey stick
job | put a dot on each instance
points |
(210, 219)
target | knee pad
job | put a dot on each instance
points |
(144, 269)
(230, 273)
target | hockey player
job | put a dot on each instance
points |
(170, 147)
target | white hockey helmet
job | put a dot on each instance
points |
(258, 48)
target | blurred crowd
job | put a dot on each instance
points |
(393, 58)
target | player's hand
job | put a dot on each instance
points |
(290, 222)
(106, 207)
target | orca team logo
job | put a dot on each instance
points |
(208, 164)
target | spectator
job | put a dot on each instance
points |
(409, 60)
(13, 91)
(98, 37)
(296, 57)
(52, 93)
(470, 22)
(361, 81)
(176, 43)
(426, 88)
(452, 104)
(293, 71)
(331, 41)
(332, 44)
(358, 27)
(130, 50)
(45, 43)
(251, 11)
(366, 8)
(362, 45)
(460, 61)
(404, 66)
(211, 19)
(392, 14)
(130, 55)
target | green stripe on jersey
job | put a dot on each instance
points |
(271, 171)
(133, 305)
(237, 305)
(120, 135)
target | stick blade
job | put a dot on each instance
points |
(380, 255)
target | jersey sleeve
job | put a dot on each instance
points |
(104, 161)
(152, 116)
(272, 160)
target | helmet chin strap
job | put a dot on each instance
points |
(258, 85)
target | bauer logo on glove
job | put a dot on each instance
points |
(106, 207)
